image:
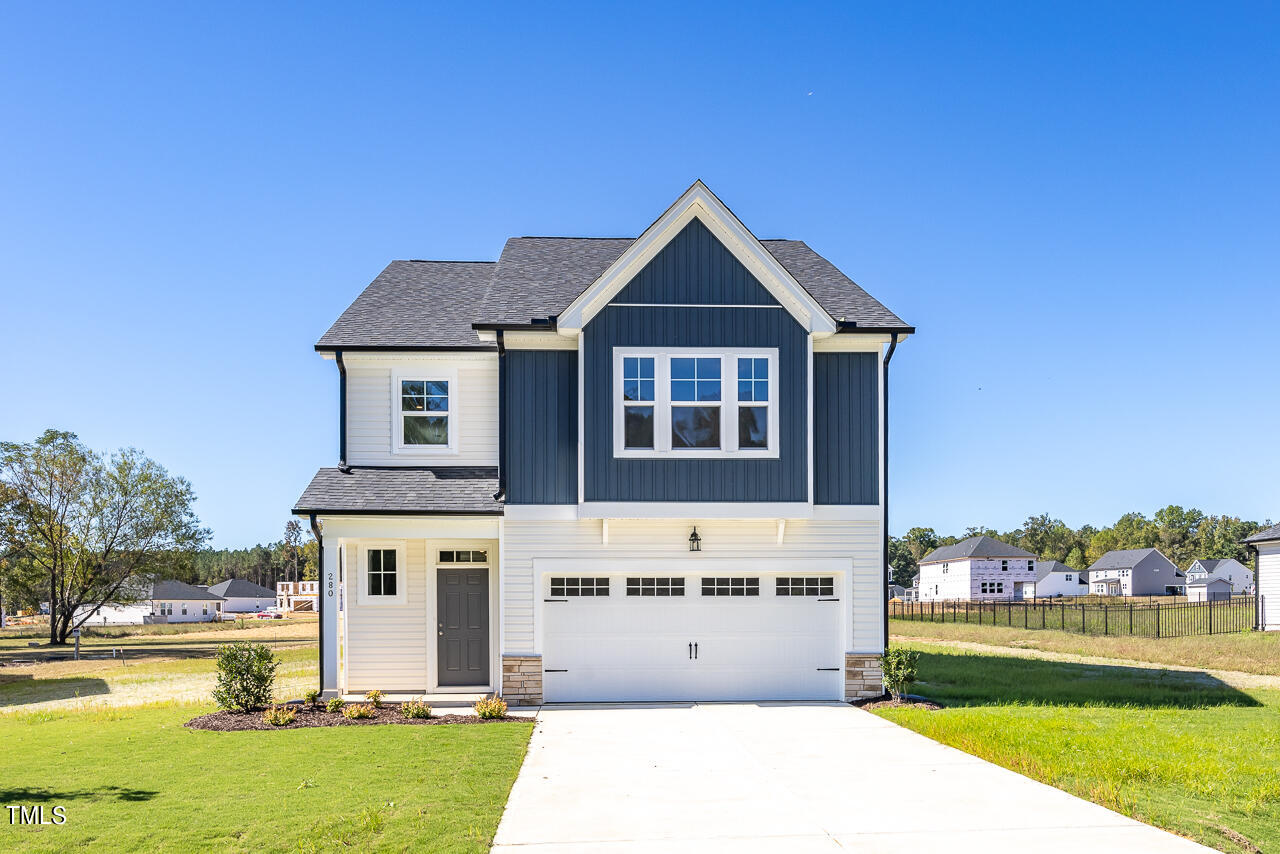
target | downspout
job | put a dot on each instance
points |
(342, 415)
(501, 494)
(315, 532)
(884, 451)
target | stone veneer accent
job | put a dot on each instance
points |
(522, 680)
(863, 677)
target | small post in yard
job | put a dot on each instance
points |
(76, 634)
(1106, 622)
(1210, 614)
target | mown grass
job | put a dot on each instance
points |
(133, 779)
(1180, 750)
(1249, 652)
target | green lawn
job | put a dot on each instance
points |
(1179, 750)
(1250, 652)
(133, 779)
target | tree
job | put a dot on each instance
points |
(97, 528)
(902, 565)
(292, 549)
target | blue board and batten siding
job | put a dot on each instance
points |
(846, 428)
(539, 410)
(694, 269)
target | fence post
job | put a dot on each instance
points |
(1130, 619)
(1082, 629)
(1210, 611)
(1158, 617)
(1106, 621)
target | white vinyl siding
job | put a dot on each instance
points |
(1269, 584)
(373, 408)
(386, 644)
(749, 543)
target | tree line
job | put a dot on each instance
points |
(1183, 535)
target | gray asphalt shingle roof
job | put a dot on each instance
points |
(1045, 568)
(460, 489)
(975, 547)
(1122, 558)
(178, 591)
(241, 589)
(1266, 535)
(434, 303)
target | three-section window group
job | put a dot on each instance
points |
(696, 403)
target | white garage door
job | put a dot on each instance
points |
(695, 637)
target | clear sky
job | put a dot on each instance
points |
(1077, 205)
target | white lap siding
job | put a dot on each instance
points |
(372, 406)
(1268, 578)
(386, 645)
(750, 544)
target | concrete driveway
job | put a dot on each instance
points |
(784, 777)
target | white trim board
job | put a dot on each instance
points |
(700, 203)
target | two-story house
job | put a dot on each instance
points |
(977, 569)
(644, 468)
(1239, 576)
(1136, 572)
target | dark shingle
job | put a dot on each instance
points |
(975, 547)
(460, 489)
(434, 303)
(1266, 535)
(178, 590)
(242, 589)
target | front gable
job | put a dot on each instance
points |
(698, 204)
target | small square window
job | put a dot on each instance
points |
(812, 585)
(580, 586)
(381, 572)
(731, 586)
(655, 586)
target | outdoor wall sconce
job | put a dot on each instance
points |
(695, 542)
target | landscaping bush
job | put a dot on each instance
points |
(246, 677)
(279, 715)
(335, 704)
(312, 697)
(415, 709)
(359, 711)
(491, 707)
(375, 698)
(899, 670)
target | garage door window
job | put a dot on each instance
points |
(731, 587)
(646, 586)
(580, 586)
(810, 585)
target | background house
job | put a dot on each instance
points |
(1239, 575)
(1054, 578)
(165, 602)
(1208, 588)
(977, 569)
(1135, 572)
(1266, 546)
(296, 595)
(243, 597)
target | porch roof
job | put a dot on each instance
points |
(399, 491)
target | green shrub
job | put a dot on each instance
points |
(359, 711)
(279, 715)
(246, 677)
(491, 707)
(375, 698)
(335, 704)
(312, 697)
(415, 709)
(899, 670)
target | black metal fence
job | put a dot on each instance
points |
(1139, 619)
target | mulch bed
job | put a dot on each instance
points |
(313, 717)
(887, 702)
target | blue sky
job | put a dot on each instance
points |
(1076, 205)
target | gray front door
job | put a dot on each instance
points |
(462, 626)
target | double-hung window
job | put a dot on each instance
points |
(695, 402)
(425, 413)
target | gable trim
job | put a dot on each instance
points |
(700, 203)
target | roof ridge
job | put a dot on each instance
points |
(440, 261)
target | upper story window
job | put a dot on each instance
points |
(695, 403)
(426, 414)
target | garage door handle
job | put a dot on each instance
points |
(691, 650)
(695, 651)
(829, 668)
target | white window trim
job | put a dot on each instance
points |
(728, 403)
(425, 374)
(402, 577)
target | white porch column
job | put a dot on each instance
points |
(329, 616)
